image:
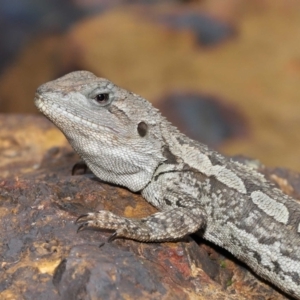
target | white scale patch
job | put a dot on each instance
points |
(271, 207)
(203, 164)
(299, 228)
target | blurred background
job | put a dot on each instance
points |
(226, 72)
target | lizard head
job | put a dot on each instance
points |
(114, 131)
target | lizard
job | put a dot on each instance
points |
(125, 141)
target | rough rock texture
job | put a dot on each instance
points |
(42, 257)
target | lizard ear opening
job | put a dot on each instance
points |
(142, 129)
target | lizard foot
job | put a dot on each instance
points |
(161, 226)
(86, 221)
(80, 167)
(103, 220)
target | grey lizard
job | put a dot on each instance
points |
(124, 140)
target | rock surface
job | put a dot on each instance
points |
(42, 256)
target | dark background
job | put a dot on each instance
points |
(227, 72)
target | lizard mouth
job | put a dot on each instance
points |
(54, 112)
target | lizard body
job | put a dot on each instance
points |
(126, 141)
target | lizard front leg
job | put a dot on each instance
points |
(167, 225)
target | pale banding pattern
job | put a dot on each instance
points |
(299, 228)
(204, 165)
(271, 207)
(229, 178)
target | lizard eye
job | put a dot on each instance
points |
(102, 98)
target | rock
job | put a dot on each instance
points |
(42, 256)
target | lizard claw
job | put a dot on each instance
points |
(112, 237)
(81, 218)
(109, 240)
(82, 227)
(101, 245)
